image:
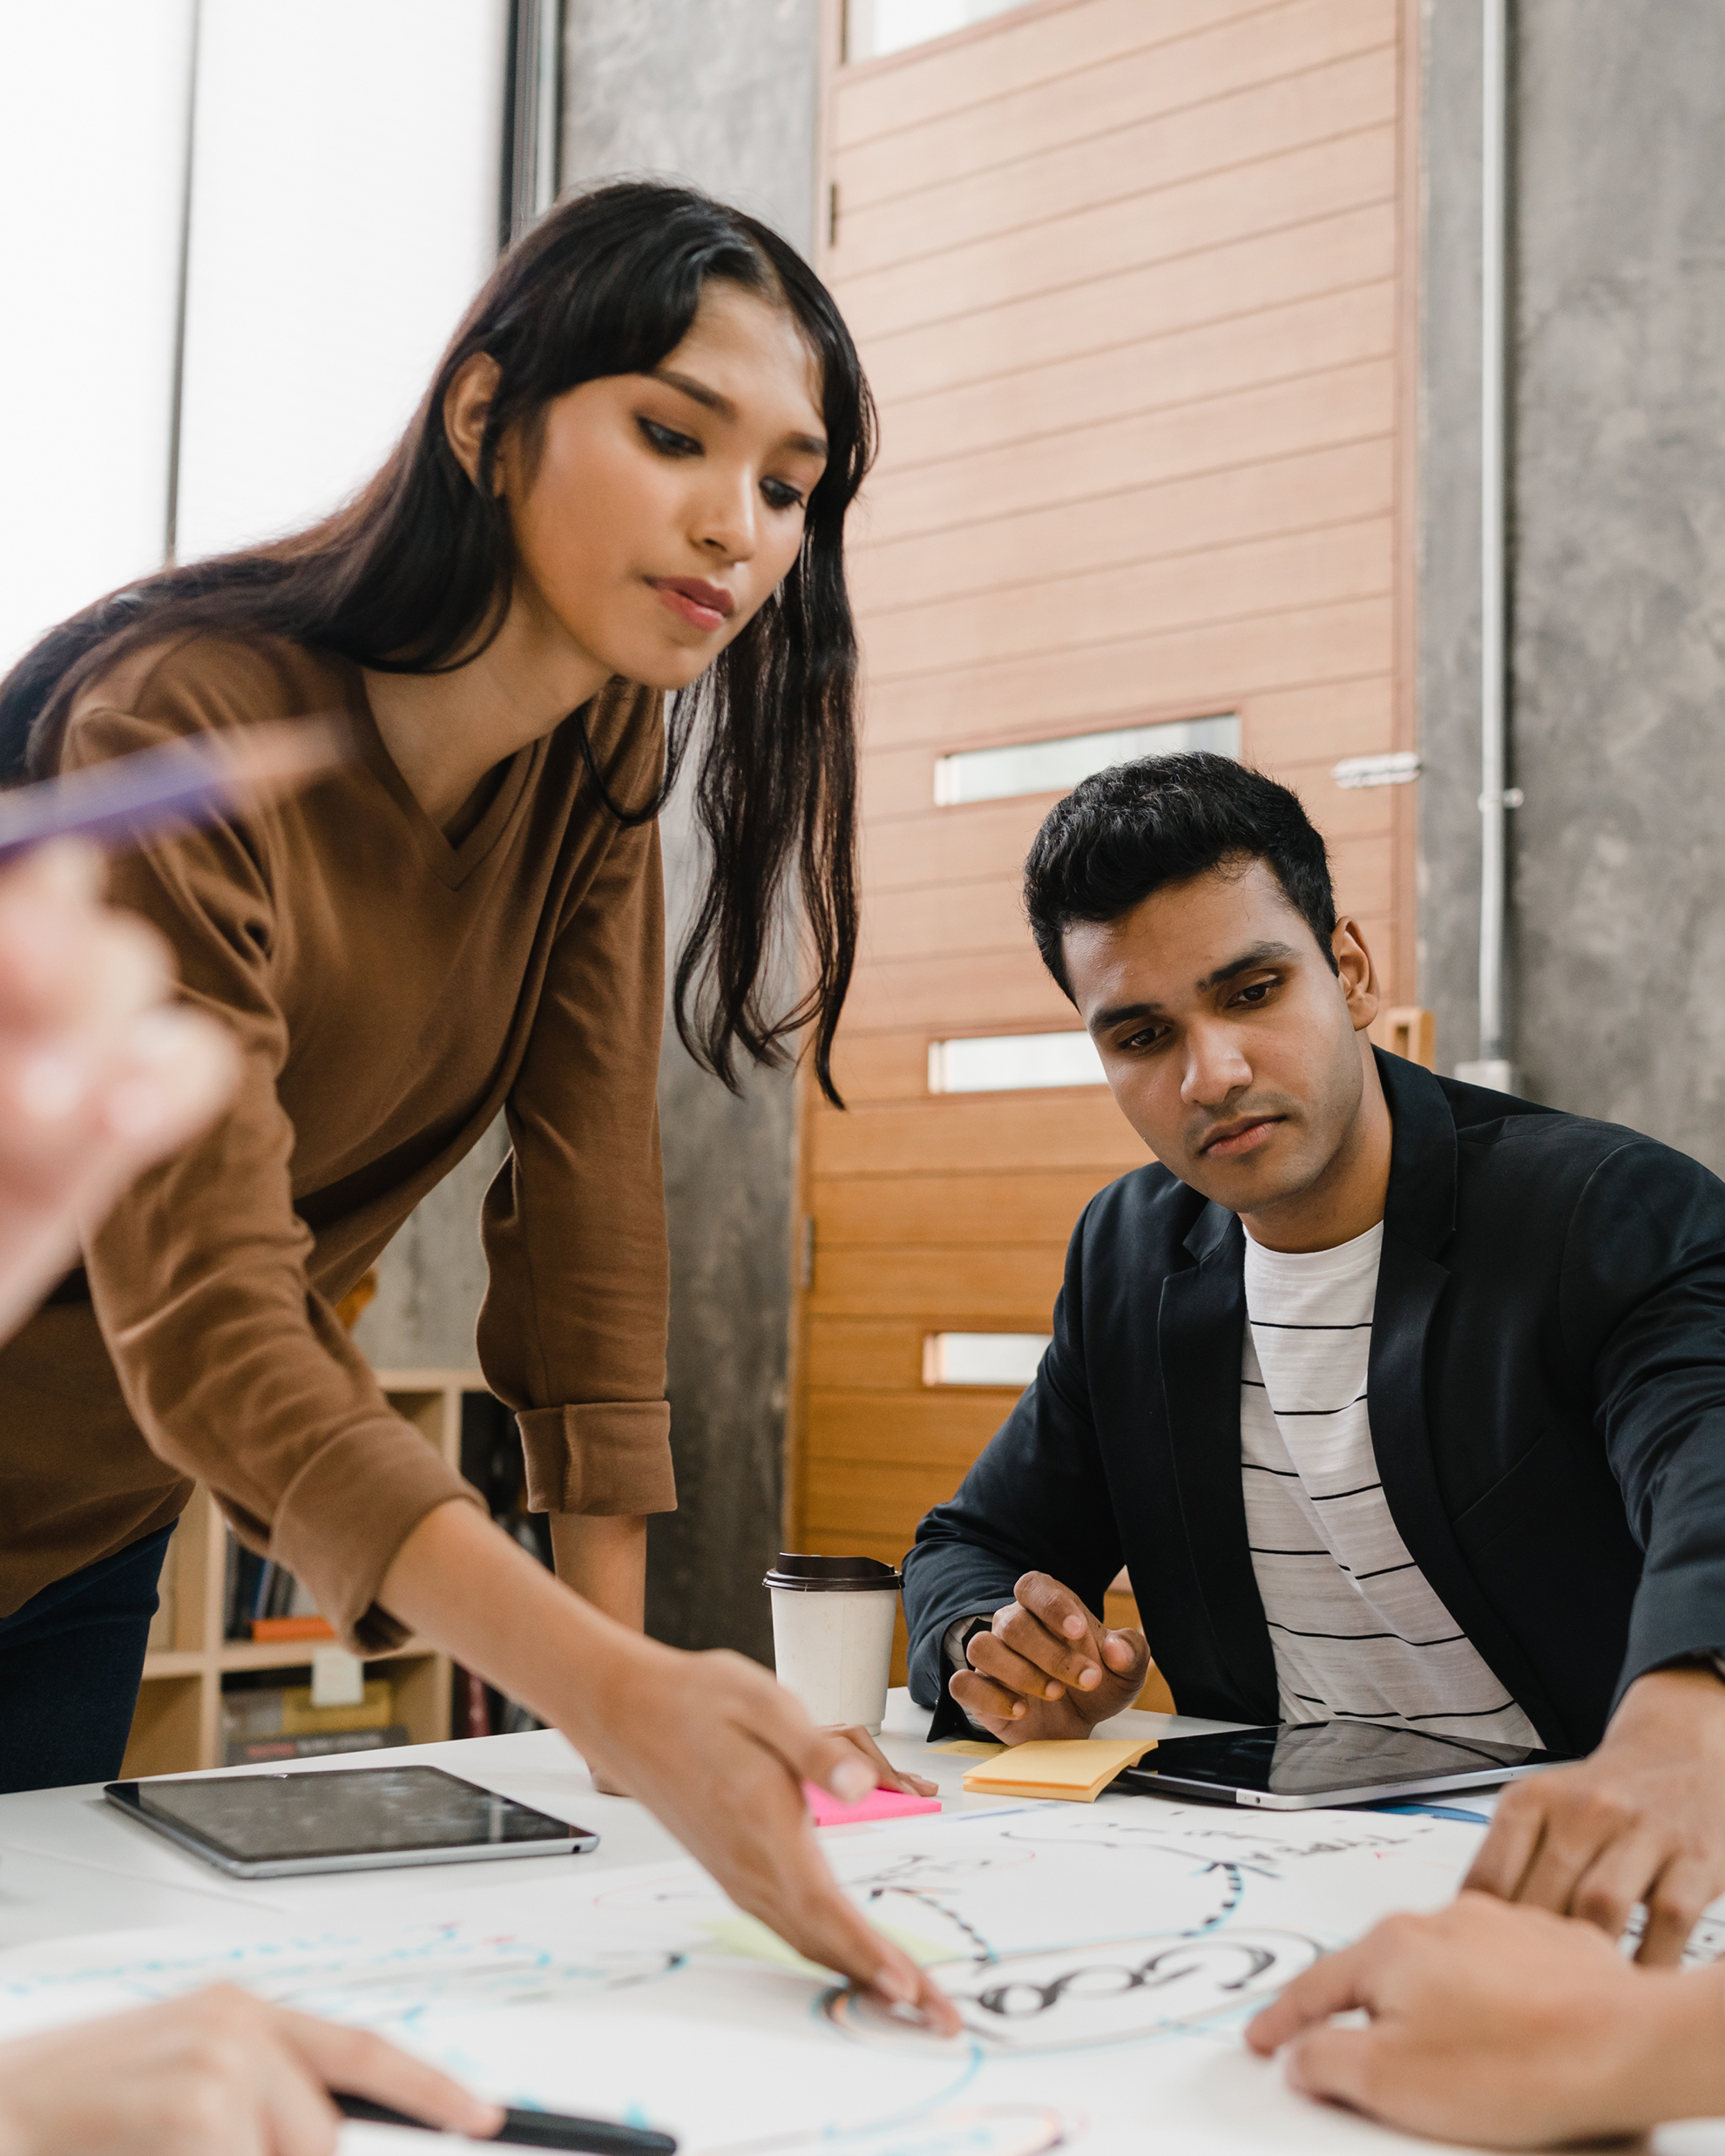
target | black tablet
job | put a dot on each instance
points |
(350, 1819)
(1291, 1767)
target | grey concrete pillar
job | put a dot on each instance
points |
(1618, 552)
(722, 92)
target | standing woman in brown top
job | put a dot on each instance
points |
(629, 476)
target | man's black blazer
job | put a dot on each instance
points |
(1546, 1391)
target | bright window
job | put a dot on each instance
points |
(874, 27)
(345, 204)
(345, 192)
(1002, 1063)
(991, 774)
(982, 1358)
(93, 157)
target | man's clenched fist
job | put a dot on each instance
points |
(1047, 1668)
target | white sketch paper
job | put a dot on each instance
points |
(1103, 1958)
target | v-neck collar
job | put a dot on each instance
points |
(450, 864)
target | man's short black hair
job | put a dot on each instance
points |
(1129, 830)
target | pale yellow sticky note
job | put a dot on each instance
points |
(1077, 1768)
(973, 1747)
(748, 1939)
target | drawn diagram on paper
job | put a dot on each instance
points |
(1115, 1992)
(1102, 1958)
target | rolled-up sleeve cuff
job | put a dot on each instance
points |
(346, 1514)
(606, 1457)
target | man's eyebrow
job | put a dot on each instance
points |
(1116, 1014)
(1260, 955)
(811, 443)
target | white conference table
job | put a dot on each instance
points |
(69, 1862)
(72, 1865)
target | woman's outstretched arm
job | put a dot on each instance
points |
(709, 1742)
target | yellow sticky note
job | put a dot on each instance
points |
(972, 1747)
(747, 1938)
(1077, 1768)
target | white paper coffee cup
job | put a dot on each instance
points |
(832, 1635)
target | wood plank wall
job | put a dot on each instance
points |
(1130, 279)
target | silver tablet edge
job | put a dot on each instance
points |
(1330, 1800)
(390, 1860)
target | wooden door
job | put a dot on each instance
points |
(1130, 279)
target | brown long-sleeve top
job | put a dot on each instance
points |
(390, 991)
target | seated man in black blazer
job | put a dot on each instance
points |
(1402, 1400)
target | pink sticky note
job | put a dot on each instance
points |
(878, 1804)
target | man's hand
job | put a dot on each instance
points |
(1503, 2025)
(1046, 1668)
(217, 2074)
(1642, 1819)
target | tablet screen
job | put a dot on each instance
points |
(1306, 1759)
(356, 1812)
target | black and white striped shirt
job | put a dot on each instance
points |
(1359, 1631)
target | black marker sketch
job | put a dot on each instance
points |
(1080, 1997)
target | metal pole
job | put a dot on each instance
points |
(1493, 1067)
(535, 74)
(548, 88)
(177, 390)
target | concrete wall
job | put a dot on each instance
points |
(431, 1279)
(1618, 937)
(1448, 940)
(722, 92)
(719, 91)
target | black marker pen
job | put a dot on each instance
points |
(531, 2129)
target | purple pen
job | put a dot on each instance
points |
(187, 782)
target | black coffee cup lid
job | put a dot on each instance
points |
(832, 1575)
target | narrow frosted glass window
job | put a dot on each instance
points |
(982, 1358)
(992, 775)
(92, 160)
(874, 27)
(1006, 1063)
(344, 212)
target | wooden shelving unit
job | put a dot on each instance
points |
(177, 1724)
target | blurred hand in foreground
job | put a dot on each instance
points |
(216, 2074)
(1505, 2026)
(101, 1074)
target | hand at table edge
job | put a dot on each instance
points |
(1640, 1820)
(1511, 2027)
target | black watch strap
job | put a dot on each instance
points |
(976, 1625)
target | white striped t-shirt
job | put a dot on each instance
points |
(1359, 1632)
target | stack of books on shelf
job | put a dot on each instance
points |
(273, 1720)
(262, 1600)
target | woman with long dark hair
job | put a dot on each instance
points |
(629, 477)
